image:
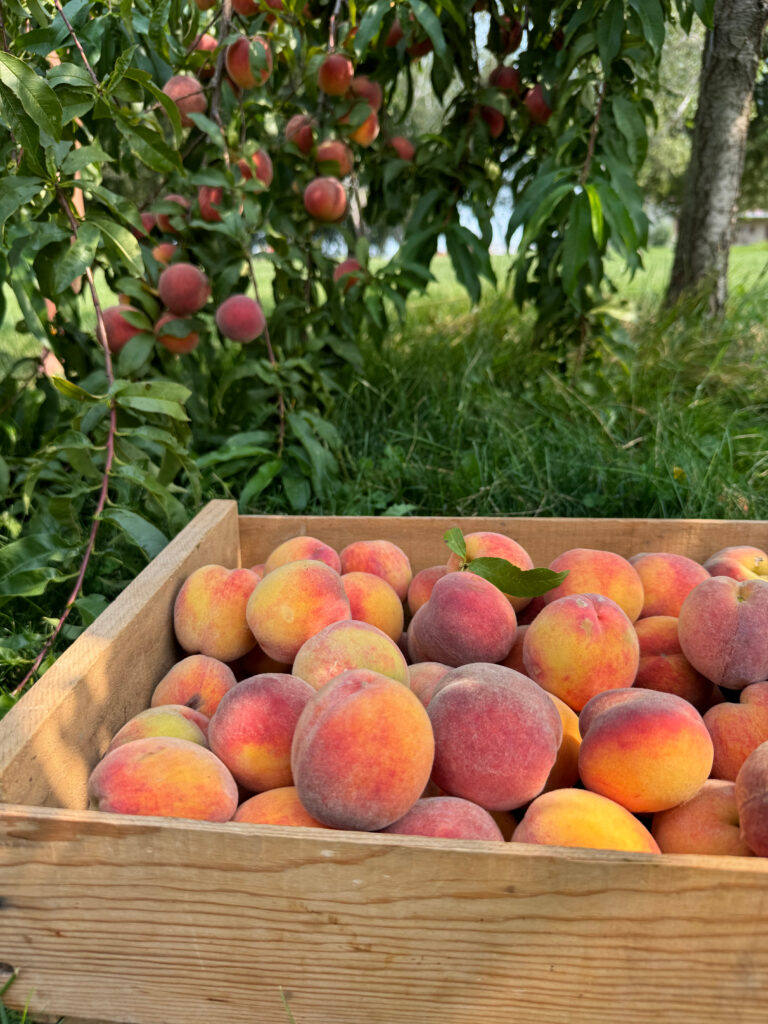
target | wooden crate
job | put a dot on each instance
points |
(118, 918)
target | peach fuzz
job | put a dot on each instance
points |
(722, 629)
(708, 823)
(740, 562)
(667, 580)
(295, 549)
(647, 751)
(578, 818)
(751, 792)
(593, 571)
(252, 729)
(187, 93)
(335, 74)
(163, 776)
(300, 130)
(420, 587)
(486, 544)
(348, 645)
(738, 729)
(466, 620)
(198, 681)
(209, 198)
(334, 157)
(665, 668)
(238, 62)
(240, 318)
(209, 612)
(364, 88)
(496, 736)
(325, 199)
(372, 600)
(423, 678)
(362, 751)
(447, 817)
(580, 645)
(292, 603)
(119, 331)
(183, 289)
(166, 720)
(382, 558)
(565, 770)
(279, 806)
(258, 166)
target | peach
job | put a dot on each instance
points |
(580, 645)
(667, 580)
(496, 736)
(300, 130)
(751, 792)
(382, 558)
(447, 817)
(258, 166)
(467, 619)
(537, 104)
(240, 318)
(347, 271)
(325, 199)
(209, 200)
(252, 729)
(248, 61)
(395, 34)
(165, 776)
(372, 600)
(364, 88)
(592, 571)
(737, 729)
(421, 585)
(163, 219)
(148, 222)
(529, 613)
(648, 751)
(510, 34)
(166, 720)
(515, 657)
(183, 289)
(297, 548)
(206, 44)
(209, 612)
(576, 817)
(404, 148)
(423, 678)
(335, 74)
(334, 157)
(119, 331)
(365, 132)
(507, 79)
(178, 343)
(198, 681)
(740, 562)
(164, 252)
(565, 770)
(279, 806)
(362, 751)
(187, 93)
(494, 119)
(348, 645)
(664, 667)
(486, 544)
(723, 630)
(292, 603)
(708, 823)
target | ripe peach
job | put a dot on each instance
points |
(240, 318)
(279, 806)
(300, 130)
(205, 5)
(362, 751)
(467, 619)
(118, 330)
(163, 219)
(292, 603)
(740, 562)
(372, 600)
(178, 344)
(565, 770)
(580, 645)
(667, 580)
(258, 166)
(348, 645)
(334, 157)
(325, 199)
(183, 289)
(487, 544)
(206, 44)
(423, 678)
(751, 792)
(166, 720)
(708, 823)
(302, 547)
(209, 200)
(447, 817)
(510, 34)
(737, 729)
(647, 751)
(252, 729)
(494, 119)
(496, 735)
(382, 558)
(164, 776)
(249, 61)
(188, 95)
(537, 104)
(245, 7)
(421, 586)
(576, 817)
(347, 270)
(722, 629)
(592, 571)
(209, 612)
(664, 667)
(164, 252)
(365, 132)
(364, 88)
(335, 74)
(149, 222)
(506, 79)
(198, 681)
(404, 148)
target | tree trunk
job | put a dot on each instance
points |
(732, 52)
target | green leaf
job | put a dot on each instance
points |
(596, 210)
(155, 405)
(143, 534)
(369, 25)
(167, 390)
(5, 477)
(463, 263)
(34, 93)
(69, 74)
(77, 159)
(512, 580)
(25, 131)
(15, 191)
(27, 565)
(430, 22)
(454, 538)
(610, 28)
(133, 355)
(150, 147)
(630, 123)
(78, 257)
(578, 243)
(260, 480)
(120, 243)
(651, 15)
(66, 387)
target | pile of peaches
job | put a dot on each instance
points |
(625, 708)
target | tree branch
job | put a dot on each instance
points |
(218, 75)
(78, 44)
(273, 361)
(593, 136)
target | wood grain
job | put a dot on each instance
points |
(58, 731)
(161, 922)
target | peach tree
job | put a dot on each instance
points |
(187, 208)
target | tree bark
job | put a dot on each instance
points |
(732, 52)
